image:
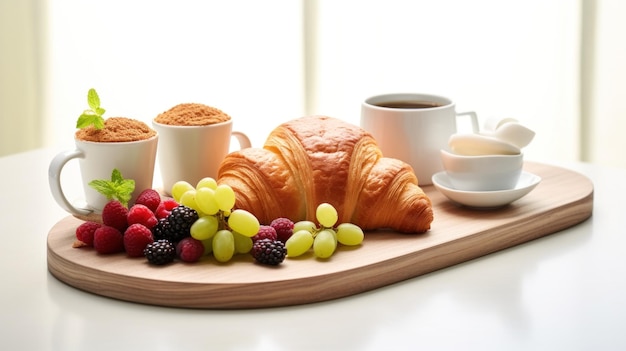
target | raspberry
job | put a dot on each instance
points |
(189, 249)
(85, 232)
(160, 252)
(265, 232)
(270, 252)
(283, 227)
(108, 240)
(165, 208)
(141, 214)
(114, 215)
(136, 238)
(176, 226)
(149, 198)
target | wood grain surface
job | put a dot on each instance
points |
(564, 198)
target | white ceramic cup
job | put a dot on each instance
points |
(414, 135)
(191, 153)
(97, 160)
(483, 172)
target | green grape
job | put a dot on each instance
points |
(324, 244)
(244, 222)
(326, 214)
(349, 234)
(206, 182)
(223, 245)
(179, 188)
(204, 228)
(205, 198)
(304, 225)
(243, 244)
(189, 199)
(208, 246)
(333, 232)
(299, 243)
(225, 197)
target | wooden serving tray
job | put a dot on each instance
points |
(563, 199)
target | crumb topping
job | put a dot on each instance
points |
(117, 129)
(192, 114)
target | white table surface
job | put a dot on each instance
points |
(566, 291)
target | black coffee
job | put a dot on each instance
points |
(408, 104)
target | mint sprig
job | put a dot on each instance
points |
(92, 116)
(117, 188)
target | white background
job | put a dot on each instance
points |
(267, 62)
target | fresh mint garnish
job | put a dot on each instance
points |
(92, 116)
(117, 188)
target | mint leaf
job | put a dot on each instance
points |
(102, 186)
(116, 176)
(93, 116)
(88, 118)
(117, 188)
(93, 99)
(124, 191)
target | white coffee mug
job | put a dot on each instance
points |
(97, 160)
(191, 153)
(413, 128)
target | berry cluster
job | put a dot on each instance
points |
(149, 228)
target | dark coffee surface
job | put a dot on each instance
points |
(408, 104)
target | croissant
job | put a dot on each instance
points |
(316, 159)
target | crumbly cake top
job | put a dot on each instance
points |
(117, 129)
(192, 114)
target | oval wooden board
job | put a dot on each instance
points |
(563, 199)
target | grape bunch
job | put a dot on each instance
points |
(323, 239)
(223, 231)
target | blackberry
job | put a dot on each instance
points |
(158, 231)
(176, 225)
(160, 252)
(268, 251)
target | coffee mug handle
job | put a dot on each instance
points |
(54, 178)
(473, 117)
(244, 141)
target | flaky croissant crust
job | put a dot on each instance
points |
(316, 159)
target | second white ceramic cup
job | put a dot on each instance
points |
(191, 153)
(413, 128)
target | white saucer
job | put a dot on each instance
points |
(486, 199)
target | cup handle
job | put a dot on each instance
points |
(54, 178)
(473, 118)
(244, 141)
